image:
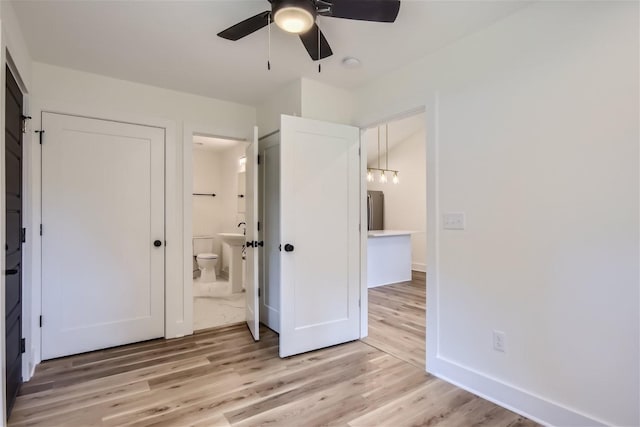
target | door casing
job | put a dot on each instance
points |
(189, 130)
(174, 317)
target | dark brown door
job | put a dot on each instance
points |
(14, 233)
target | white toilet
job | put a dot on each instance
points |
(206, 259)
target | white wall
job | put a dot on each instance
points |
(285, 100)
(230, 168)
(405, 203)
(305, 98)
(66, 90)
(535, 137)
(321, 101)
(15, 44)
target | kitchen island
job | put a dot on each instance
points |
(388, 257)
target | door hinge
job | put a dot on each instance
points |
(41, 229)
(258, 158)
(23, 345)
(259, 293)
(258, 225)
(40, 134)
(41, 321)
(24, 123)
(23, 235)
(358, 151)
(359, 303)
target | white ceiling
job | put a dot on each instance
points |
(173, 44)
(399, 130)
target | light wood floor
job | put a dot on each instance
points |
(221, 377)
(397, 319)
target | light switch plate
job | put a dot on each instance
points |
(453, 221)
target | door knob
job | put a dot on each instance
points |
(157, 243)
(11, 272)
(288, 247)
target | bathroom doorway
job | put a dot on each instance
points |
(396, 220)
(218, 231)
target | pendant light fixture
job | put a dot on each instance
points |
(383, 172)
(383, 177)
(395, 173)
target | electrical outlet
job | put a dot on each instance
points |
(500, 341)
(453, 221)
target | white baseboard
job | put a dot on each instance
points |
(418, 266)
(508, 396)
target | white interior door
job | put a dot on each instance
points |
(320, 214)
(103, 234)
(270, 231)
(253, 250)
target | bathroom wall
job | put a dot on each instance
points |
(405, 203)
(229, 197)
(207, 177)
(216, 171)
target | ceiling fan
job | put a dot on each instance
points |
(299, 17)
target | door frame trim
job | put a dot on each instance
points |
(430, 109)
(174, 318)
(189, 130)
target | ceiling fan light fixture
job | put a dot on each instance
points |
(294, 16)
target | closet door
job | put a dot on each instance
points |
(320, 237)
(103, 234)
(14, 234)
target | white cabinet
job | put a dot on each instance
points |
(388, 257)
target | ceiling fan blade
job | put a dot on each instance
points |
(365, 10)
(246, 27)
(310, 41)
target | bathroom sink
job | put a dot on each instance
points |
(236, 242)
(232, 239)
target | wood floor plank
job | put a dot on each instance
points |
(397, 319)
(77, 390)
(61, 406)
(221, 377)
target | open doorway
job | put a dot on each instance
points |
(218, 231)
(396, 241)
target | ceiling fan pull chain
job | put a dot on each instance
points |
(319, 51)
(269, 54)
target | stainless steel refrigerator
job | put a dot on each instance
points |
(375, 210)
